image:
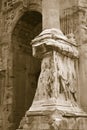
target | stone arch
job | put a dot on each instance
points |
(35, 5)
(31, 6)
(26, 68)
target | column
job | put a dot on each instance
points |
(55, 103)
(50, 11)
(81, 35)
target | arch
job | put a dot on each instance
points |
(35, 7)
(32, 6)
(26, 68)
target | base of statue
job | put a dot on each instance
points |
(47, 115)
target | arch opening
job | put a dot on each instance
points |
(26, 68)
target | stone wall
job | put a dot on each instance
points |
(14, 62)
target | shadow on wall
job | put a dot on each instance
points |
(26, 68)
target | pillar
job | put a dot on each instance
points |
(55, 103)
(81, 35)
(50, 10)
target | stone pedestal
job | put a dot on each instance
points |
(55, 103)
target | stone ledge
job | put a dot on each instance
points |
(66, 108)
(53, 121)
(53, 39)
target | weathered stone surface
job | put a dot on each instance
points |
(82, 3)
(53, 11)
(13, 69)
(58, 72)
(55, 102)
(54, 39)
(81, 37)
(52, 120)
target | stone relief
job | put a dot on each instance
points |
(66, 74)
(10, 4)
(65, 69)
(71, 37)
(50, 39)
(8, 21)
(66, 88)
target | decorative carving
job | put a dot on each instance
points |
(51, 39)
(8, 21)
(65, 83)
(71, 37)
(66, 88)
(10, 4)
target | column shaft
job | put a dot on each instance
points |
(50, 11)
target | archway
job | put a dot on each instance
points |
(26, 68)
